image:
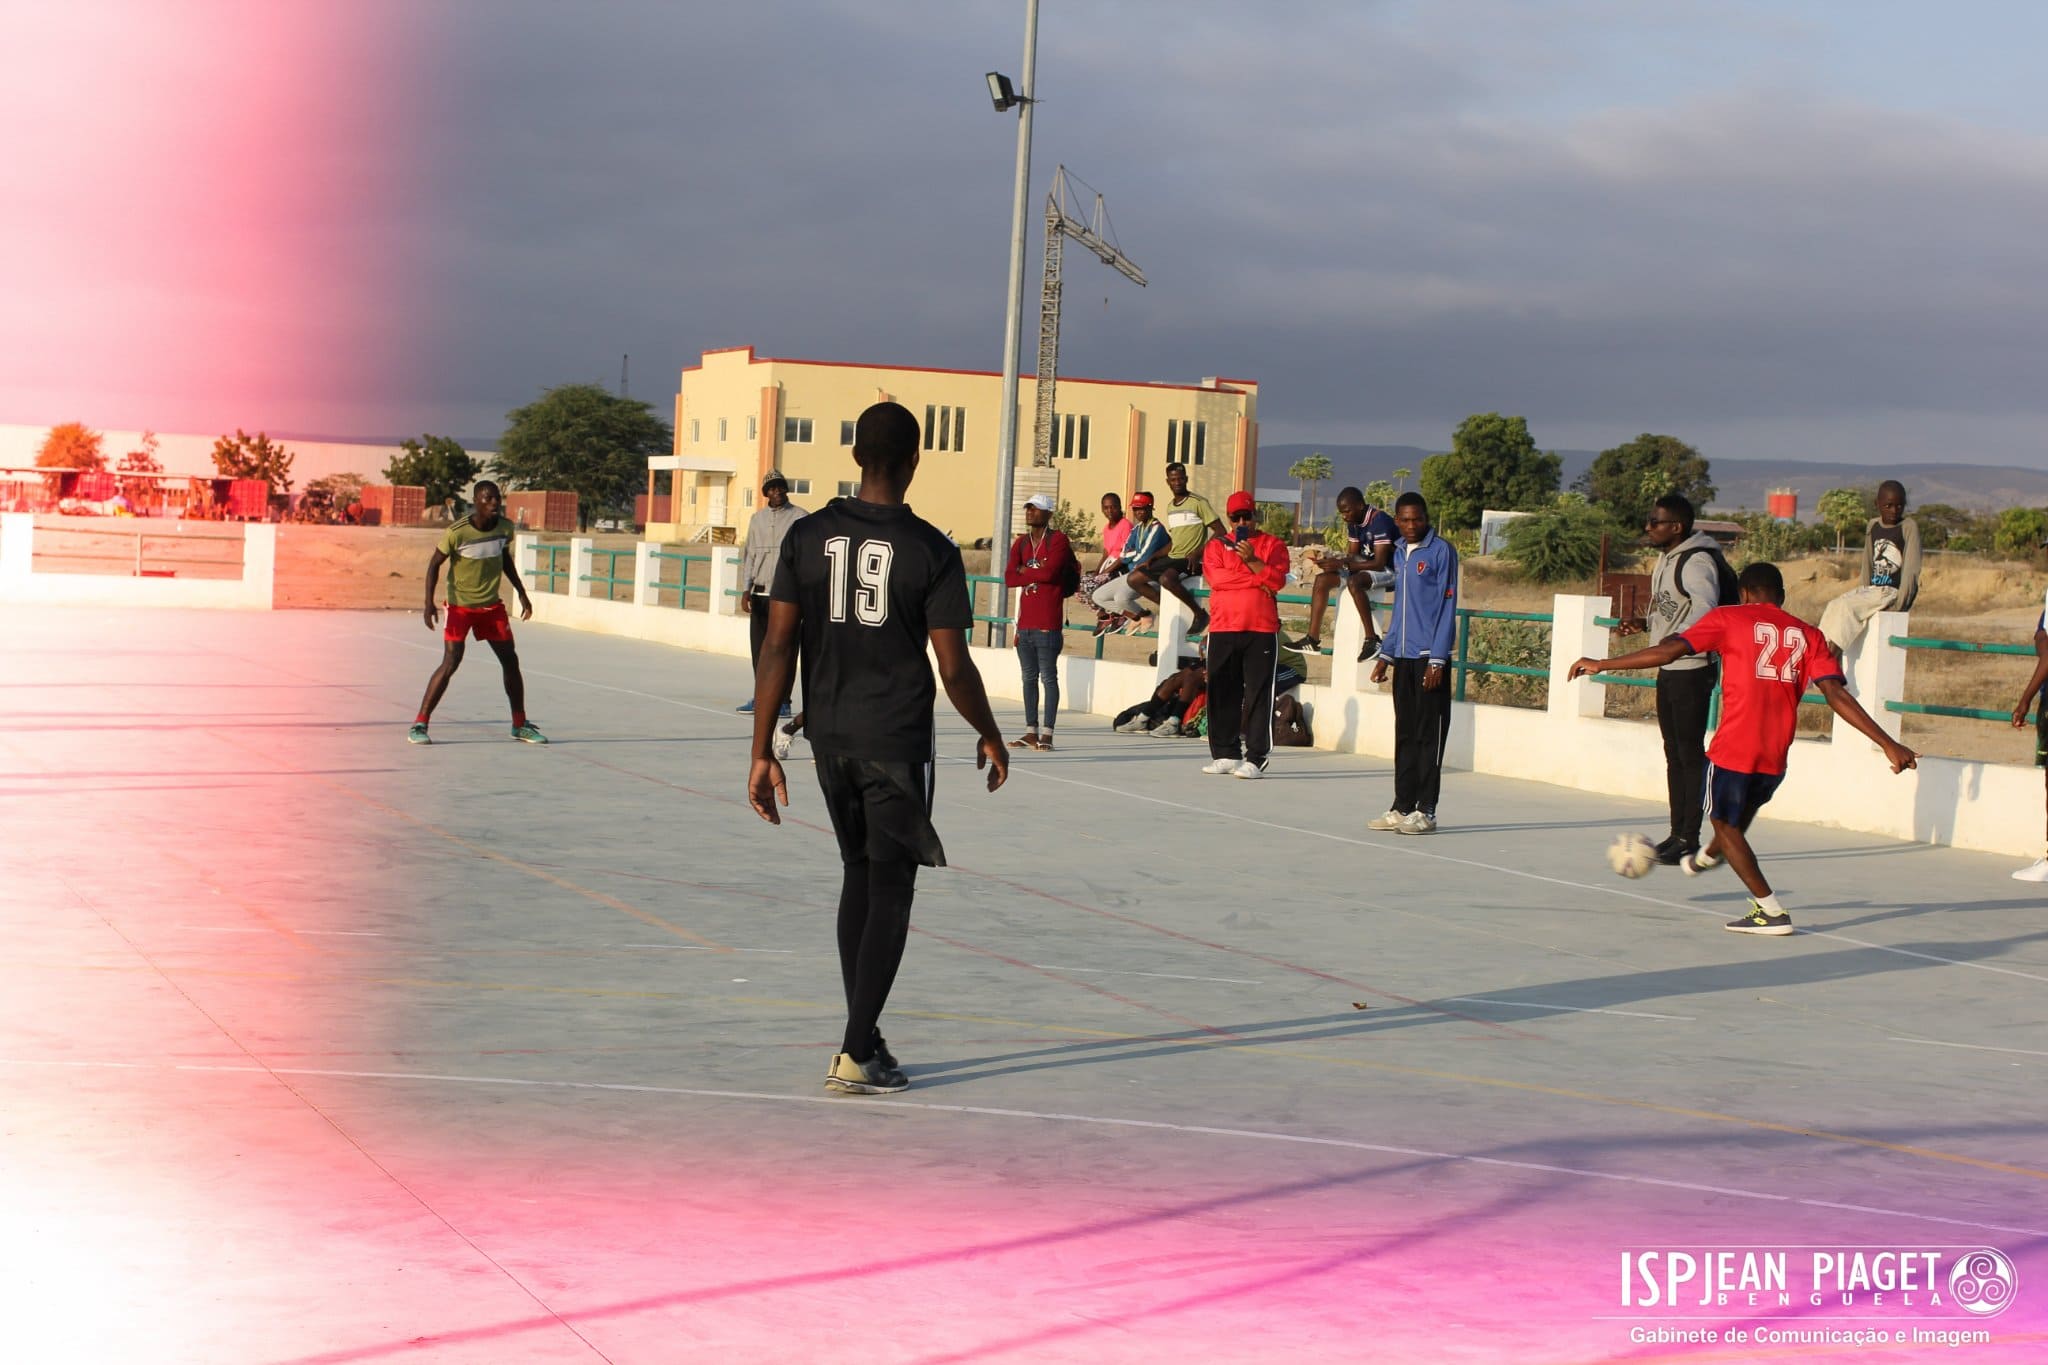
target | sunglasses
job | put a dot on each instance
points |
(1244, 516)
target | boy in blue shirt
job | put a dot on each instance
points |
(1417, 649)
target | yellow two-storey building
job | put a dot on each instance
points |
(739, 415)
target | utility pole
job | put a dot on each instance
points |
(624, 361)
(1013, 318)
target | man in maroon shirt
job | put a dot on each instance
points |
(1042, 564)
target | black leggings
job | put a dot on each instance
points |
(874, 922)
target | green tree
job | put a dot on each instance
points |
(1843, 510)
(1493, 462)
(583, 439)
(339, 490)
(436, 463)
(1073, 523)
(1628, 478)
(71, 445)
(141, 460)
(1309, 471)
(1767, 540)
(1941, 523)
(1559, 543)
(1401, 477)
(2020, 531)
(243, 456)
(1276, 519)
(1381, 494)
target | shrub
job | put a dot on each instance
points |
(1558, 544)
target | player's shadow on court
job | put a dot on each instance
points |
(1740, 978)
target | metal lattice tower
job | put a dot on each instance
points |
(1098, 237)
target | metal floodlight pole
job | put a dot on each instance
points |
(1013, 320)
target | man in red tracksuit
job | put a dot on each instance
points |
(1245, 570)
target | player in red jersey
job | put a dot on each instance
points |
(1769, 658)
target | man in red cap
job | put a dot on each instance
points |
(1245, 570)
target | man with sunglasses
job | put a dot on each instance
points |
(1689, 579)
(1245, 570)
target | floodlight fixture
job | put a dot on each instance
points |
(1002, 94)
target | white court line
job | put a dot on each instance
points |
(1164, 976)
(1565, 1009)
(235, 929)
(697, 948)
(897, 1105)
(1978, 1047)
(1380, 845)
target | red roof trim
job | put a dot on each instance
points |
(753, 359)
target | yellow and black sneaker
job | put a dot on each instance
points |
(1759, 921)
(870, 1077)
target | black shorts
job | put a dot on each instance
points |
(1734, 798)
(881, 810)
(2041, 733)
(1191, 567)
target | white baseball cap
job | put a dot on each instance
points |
(1042, 501)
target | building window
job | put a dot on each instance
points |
(721, 428)
(1073, 437)
(846, 433)
(796, 431)
(797, 486)
(747, 497)
(753, 431)
(945, 428)
(693, 430)
(1187, 442)
(849, 488)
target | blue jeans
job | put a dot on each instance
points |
(1038, 655)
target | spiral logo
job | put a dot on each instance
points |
(1982, 1282)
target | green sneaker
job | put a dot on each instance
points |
(418, 734)
(1758, 921)
(526, 734)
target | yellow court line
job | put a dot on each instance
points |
(646, 917)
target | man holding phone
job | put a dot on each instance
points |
(1245, 570)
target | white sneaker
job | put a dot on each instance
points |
(1418, 822)
(1393, 819)
(1167, 729)
(1220, 767)
(1136, 725)
(2036, 873)
(780, 745)
(1249, 769)
(1692, 864)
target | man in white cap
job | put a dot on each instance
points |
(1043, 567)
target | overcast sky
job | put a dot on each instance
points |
(1808, 230)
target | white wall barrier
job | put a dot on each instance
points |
(1840, 781)
(20, 581)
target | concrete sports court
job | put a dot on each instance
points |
(319, 1047)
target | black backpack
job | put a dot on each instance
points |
(1731, 593)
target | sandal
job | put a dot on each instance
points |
(1043, 744)
(1025, 742)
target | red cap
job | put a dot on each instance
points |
(1141, 499)
(1240, 502)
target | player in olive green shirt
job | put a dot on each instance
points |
(1189, 521)
(480, 548)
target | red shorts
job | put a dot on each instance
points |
(488, 623)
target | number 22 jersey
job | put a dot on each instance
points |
(871, 583)
(1769, 658)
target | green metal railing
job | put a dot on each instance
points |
(1928, 708)
(552, 572)
(610, 577)
(681, 586)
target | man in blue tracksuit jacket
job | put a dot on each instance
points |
(1417, 647)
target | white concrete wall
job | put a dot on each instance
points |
(20, 582)
(1842, 781)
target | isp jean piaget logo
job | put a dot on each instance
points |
(1907, 1283)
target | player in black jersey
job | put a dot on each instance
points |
(865, 585)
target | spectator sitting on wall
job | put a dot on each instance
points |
(1190, 522)
(1166, 712)
(1116, 529)
(1145, 551)
(1368, 550)
(1891, 571)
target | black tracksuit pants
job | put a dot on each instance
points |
(1422, 726)
(1240, 708)
(1683, 697)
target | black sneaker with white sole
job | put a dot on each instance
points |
(1761, 921)
(871, 1077)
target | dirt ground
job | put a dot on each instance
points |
(1961, 598)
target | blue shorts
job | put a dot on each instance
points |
(1734, 798)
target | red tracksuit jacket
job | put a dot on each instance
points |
(1240, 599)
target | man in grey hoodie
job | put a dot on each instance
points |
(1689, 580)
(757, 572)
(1891, 571)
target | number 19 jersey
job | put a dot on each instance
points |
(1769, 658)
(871, 583)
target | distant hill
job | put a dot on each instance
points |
(1738, 483)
